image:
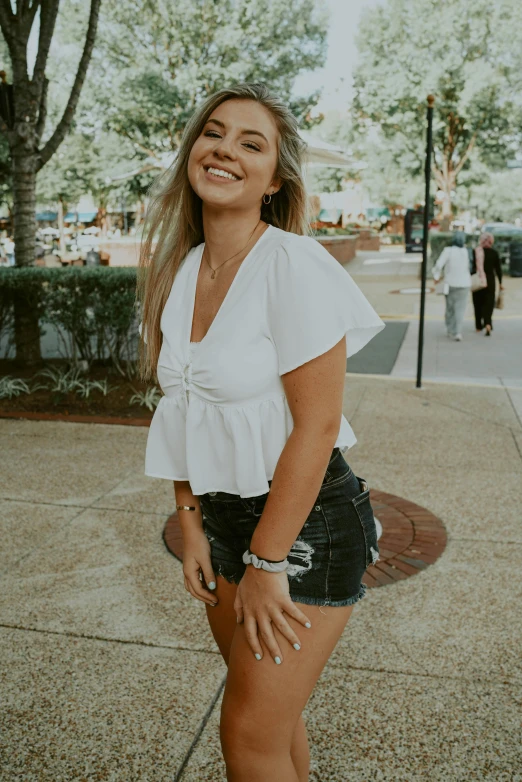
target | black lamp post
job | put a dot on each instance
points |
(427, 175)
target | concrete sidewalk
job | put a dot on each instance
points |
(110, 672)
(496, 360)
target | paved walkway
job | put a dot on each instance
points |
(496, 360)
(109, 671)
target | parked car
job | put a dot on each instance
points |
(507, 229)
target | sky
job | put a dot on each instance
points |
(336, 77)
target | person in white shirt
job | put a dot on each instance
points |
(454, 263)
(247, 323)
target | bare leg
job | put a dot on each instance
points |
(300, 752)
(262, 703)
(222, 620)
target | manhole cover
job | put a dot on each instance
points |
(412, 539)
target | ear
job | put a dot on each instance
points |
(275, 185)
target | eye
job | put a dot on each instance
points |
(250, 145)
(212, 134)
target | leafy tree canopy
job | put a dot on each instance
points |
(156, 60)
(410, 48)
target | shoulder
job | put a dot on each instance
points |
(301, 254)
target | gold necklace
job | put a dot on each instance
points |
(212, 276)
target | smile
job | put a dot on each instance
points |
(220, 172)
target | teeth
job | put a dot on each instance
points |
(220, 172)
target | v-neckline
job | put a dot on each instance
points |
(192, 298)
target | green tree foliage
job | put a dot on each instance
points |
(155, 60)
(410, 48)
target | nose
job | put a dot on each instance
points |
(225, 148)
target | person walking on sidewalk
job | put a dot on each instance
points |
(487, 265)
(454, 263)
(247, 323)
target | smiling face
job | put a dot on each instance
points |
(233, 162)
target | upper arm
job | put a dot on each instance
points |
(315, 390)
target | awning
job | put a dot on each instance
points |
(322, 153)
(330, 215)
(49, 216)
(79, 217)
(374, 212)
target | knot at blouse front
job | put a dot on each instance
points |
(224, 418)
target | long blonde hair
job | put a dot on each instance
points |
(175, 212)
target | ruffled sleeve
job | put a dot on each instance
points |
(312, 303)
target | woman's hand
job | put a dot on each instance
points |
(262, 598)
(196, 558)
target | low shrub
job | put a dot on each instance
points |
(93, 310)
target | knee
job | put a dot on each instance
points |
(243, 735)
(238, 732)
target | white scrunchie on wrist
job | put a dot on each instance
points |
(262, 564)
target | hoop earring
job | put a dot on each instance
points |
(269, 198)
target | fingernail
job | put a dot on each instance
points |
(237, 619)
(296, 646)
(257, 656)
(213, 605)
(278, 660)
(212, 585)
(308, 624)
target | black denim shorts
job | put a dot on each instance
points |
(329, 556)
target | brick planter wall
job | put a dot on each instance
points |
(343, 248)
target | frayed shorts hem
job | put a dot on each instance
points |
(317, 601)
(311, 601)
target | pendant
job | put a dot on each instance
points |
(213, 275)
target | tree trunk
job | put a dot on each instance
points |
(446, 182)
(27, 330)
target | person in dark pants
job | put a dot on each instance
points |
(487, 265)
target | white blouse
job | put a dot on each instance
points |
(224, 418)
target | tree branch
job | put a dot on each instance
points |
(65, 123)
(48, 14)
(42, 111)
(465, 156)
(29, 20)
(21, 7)
(6, 21)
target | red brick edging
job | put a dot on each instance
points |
(75, 418)
(412, 538)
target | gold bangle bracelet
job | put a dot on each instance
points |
(185, 507)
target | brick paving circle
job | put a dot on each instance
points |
(412, 538)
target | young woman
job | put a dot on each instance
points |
(248, 324)
(487, 264)
(453, 262)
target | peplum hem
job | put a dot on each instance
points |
(244, 441)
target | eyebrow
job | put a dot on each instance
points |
(243, 131)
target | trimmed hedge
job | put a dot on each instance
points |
(94, 310)
(392, 238)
